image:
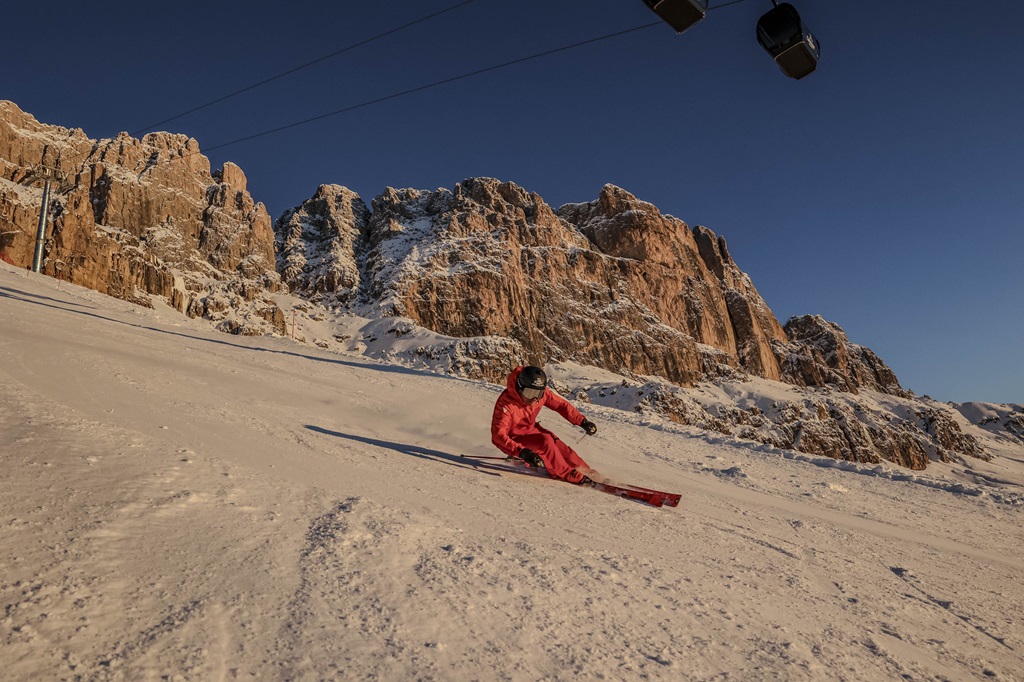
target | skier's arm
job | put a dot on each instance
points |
(571, 414)
(563, 407)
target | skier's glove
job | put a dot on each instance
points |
(531, 458)
(588, 426)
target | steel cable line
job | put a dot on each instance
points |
(78, 158)
(428, 86)
(421, 88)
(445, 81)
(301, 67)
(391, 96)
(726, 4)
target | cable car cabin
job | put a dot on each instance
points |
(783, 35)
(679, 14)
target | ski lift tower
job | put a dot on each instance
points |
(48, 176)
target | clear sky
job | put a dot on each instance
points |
(885, 191)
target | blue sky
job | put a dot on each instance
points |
(885, 191)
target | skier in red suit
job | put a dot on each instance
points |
(515, 431)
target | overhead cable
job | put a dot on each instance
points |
(300, 67)
(428, 86)
(445, 81)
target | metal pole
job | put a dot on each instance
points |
(37, 261)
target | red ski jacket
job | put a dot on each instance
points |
(513, 417)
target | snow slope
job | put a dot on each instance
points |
(176, 503)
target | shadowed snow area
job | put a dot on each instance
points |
(177, 503)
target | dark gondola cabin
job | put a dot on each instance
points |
(679, 14)
(783, 35)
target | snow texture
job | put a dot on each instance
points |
(180, 504)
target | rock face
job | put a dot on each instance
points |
(820, 354)
(136, 218)
(612, 283)
(317, 244)
(907, 432)
(681, 278)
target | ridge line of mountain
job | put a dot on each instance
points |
(494, 273)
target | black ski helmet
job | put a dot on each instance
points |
(531, 382)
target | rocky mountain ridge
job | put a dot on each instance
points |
(469, 281)
(138, 218)
(611, 283)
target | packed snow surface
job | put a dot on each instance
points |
(176, 503)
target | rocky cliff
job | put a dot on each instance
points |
(611, 283)
(139, 218)
(471, 281)
(820, 354)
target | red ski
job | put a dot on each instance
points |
(655, 498)
(671, 499)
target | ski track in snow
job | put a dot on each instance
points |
(181, 504)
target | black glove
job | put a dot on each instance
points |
(531, 458)
(588, 426)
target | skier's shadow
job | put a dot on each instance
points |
(421, 452)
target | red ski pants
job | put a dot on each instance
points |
(559, 458)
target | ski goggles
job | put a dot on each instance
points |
(533, 393)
